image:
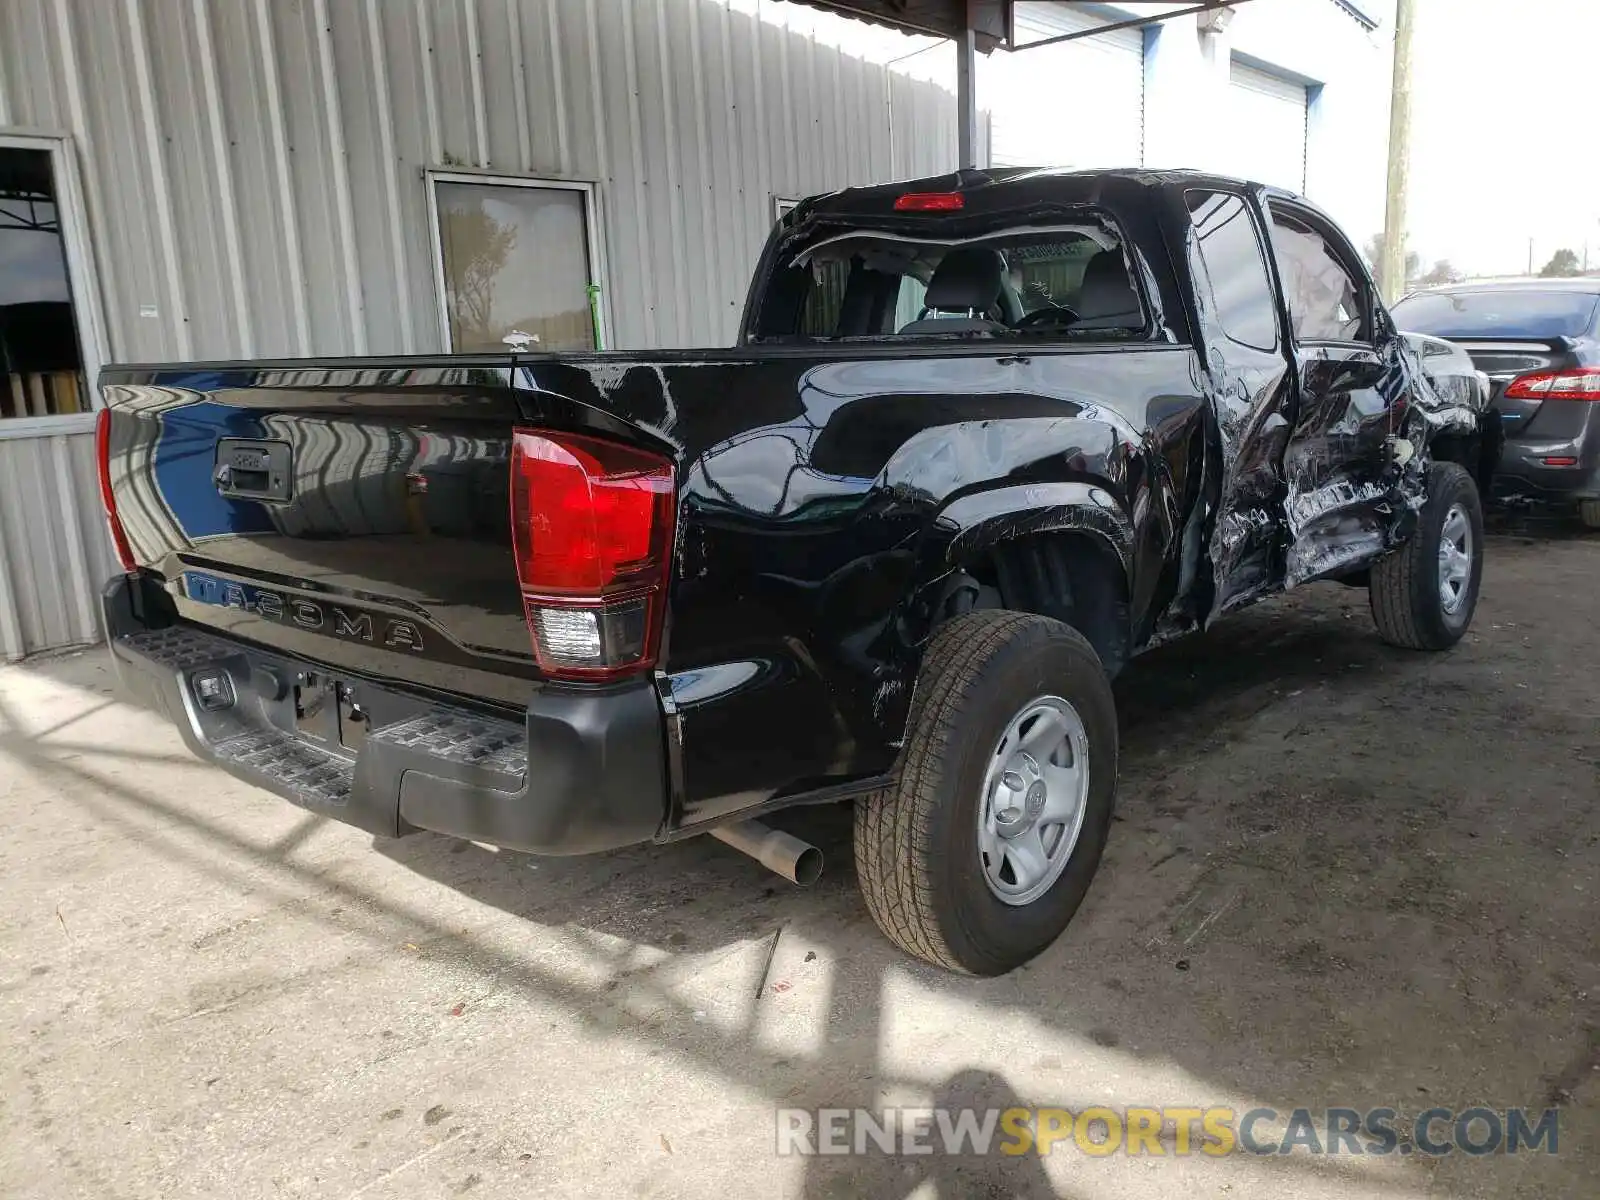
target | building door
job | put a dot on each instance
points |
(1265, 136)
(47, 333)
(1073, 104)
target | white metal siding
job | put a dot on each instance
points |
(254, 169)
(54, 553)
(1073, 104)
(254, 176)
(1265, 140)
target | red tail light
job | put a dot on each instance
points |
(108, 501)
(591, 522)
(1581, 384)
(930, 202)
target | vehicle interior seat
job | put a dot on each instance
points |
(1106, 299)
(965, 286)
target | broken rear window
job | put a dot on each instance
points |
(1068, 280)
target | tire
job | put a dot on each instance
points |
(1407, 590)
(1589, 513)
(917, 843)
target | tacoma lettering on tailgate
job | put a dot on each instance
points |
(346, 621)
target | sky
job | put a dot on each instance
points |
(1503, 92)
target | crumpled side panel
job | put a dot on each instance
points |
(1356, 472)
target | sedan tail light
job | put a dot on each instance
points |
(1580, 384)
(592, 526)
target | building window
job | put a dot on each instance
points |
(41, 365)
(516, 255)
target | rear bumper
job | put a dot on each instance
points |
(1524, 472)
(584, 771)
(1534, 481)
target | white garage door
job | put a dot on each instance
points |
(1074, 104)
(1265, 136)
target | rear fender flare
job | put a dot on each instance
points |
(964, 531)
(981, 520)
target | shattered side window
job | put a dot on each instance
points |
(1323, 296)
(1231, 255)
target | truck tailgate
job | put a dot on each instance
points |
(358, 519)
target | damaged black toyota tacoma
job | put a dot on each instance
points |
(982, 440)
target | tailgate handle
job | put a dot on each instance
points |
(253, 470)
(240, 480)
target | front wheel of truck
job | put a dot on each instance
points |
(980, 854)
(1423, 594)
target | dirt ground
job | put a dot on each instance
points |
(1342, 875)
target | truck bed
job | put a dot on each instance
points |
(808, 487)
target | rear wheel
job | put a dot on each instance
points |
(1589, 514)
(979, 856)
(1423, 594)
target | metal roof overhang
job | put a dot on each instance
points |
(992, 22)
(979, 26)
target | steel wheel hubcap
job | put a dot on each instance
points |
(1034, 795)
(1455, 559)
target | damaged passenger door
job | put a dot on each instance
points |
(1247, 361)
(1350, 377)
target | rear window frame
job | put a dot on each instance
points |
(787, 244)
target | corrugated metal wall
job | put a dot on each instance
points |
(254, 168)
(253, 171)
(54, 553)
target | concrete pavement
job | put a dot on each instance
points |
(1342, 876)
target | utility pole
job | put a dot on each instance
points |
(1392, 271)
(1530, 256)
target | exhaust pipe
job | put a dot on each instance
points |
(798, 862)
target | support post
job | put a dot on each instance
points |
(1393, 268)
(966, 97)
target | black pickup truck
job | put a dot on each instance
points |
(983, 439)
